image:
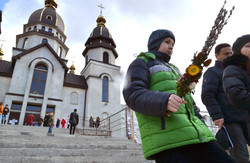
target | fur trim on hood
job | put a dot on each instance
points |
(237, 60)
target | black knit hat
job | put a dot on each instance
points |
(157, 37)
(240, 42)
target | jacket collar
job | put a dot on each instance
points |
(161, 56)
(218, 64)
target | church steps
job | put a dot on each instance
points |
(50, 152)
(64, 148)
(74, 159)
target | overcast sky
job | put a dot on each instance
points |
(130, 23)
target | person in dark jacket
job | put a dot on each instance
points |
(46, 120)
(97, 122)
(91, 122)
(236, 84)
(40, 121)
(219, 106)
(74, 119)
(58, 123)
(150, 90)
(5, 113)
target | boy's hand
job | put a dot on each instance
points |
(219, 122)
(174, 102)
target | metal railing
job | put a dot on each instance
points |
(123, 122)
(108, 126)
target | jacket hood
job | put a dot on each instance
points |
(237, 60)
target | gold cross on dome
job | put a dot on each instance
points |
(101, 7)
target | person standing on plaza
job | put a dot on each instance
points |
(63, 122)
(1, 111)
(58, 123)
(74, 119)
(5, 113)
(51, 122)
(40, 121)
(29, 120)
(218, 105)
(150, 90)
(236, 84)
(91, 122)
(46, 120)
(97, 122)
(68, 124)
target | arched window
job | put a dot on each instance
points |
(105, 87)
(44, 40)
(29, 29)
(105, 57)
(60, 51)
(86, 59)
(35, 28)
(39, 79)
(74, 98)
(43, 28)
(25, 43)
(50, 30)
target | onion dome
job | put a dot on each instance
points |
(48, 15)
(100, 37)
(72, 69)
(1, 52)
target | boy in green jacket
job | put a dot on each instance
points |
(150, 90)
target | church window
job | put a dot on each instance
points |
(16, 106)
(105, 57)
(50, 109)
(25, 43)
(86, 59)
(105, 89)
(29, 29)
(33, 108)
(74, 98)
(44, 40)
(50, 30)
(43, 28)
(15, 112)
(60, 51)
(35, 28)
(49, 17)
(39, 79)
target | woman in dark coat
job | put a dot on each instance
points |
(236, 84)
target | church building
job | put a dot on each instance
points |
(37, 80)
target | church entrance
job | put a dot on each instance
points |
(35, 110)
(14, 115)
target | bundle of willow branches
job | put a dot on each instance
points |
(193, 72)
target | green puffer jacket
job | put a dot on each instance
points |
(181, 128)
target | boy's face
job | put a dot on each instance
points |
(224, 53)
(245, 50)
(167, 46)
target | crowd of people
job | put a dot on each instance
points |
(150, 90)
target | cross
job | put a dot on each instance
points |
(101, 7)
